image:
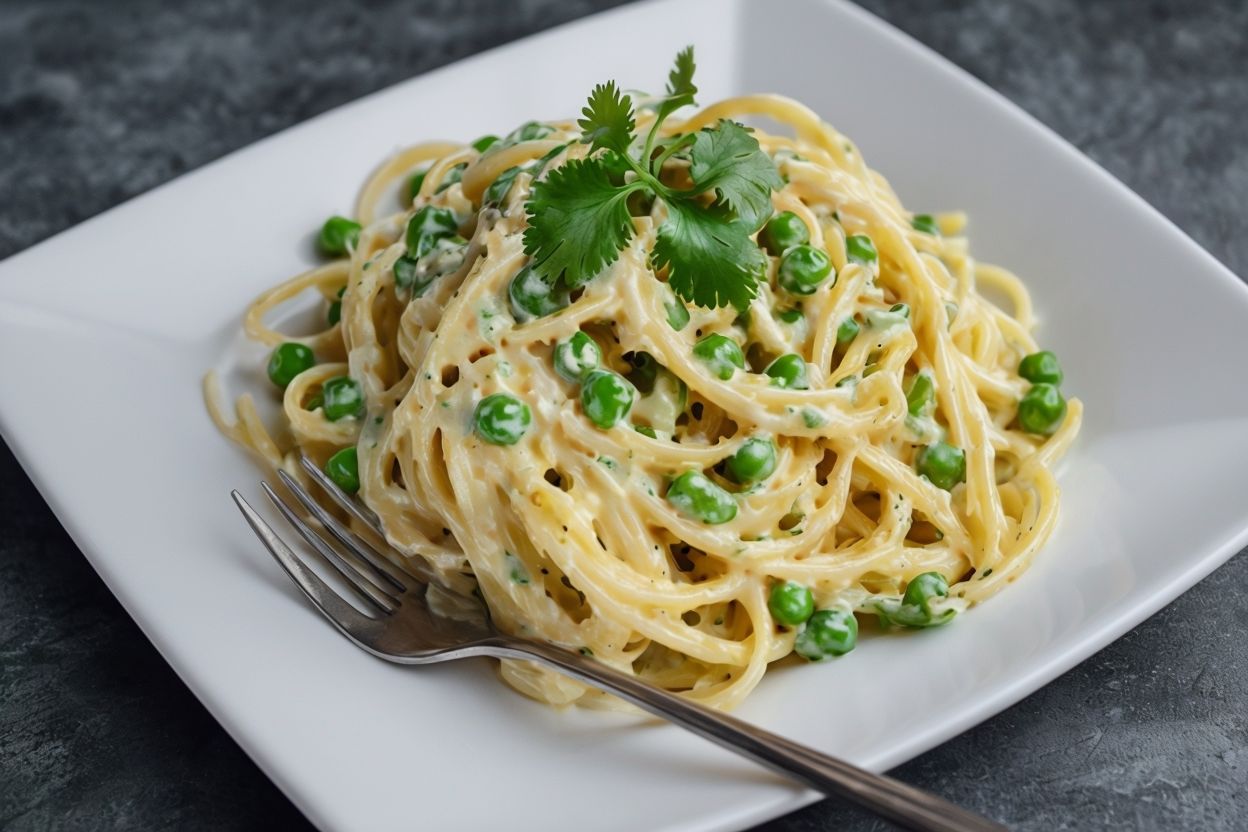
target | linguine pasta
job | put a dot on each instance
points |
(571, 533)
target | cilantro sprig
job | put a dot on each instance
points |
(579, 218)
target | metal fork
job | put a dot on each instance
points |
(405, 628)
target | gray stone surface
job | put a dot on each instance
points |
(100, 101)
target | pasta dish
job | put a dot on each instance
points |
(682, 394)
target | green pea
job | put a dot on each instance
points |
(860, 249)
(1041, 367)
(606, 397)
(529, 131)
(791, 604)
(414, 184)
(902, 309)
(334, 314)
(426, 227)
(924, 589)
(803, 268)
(338, 236)
(677, 314)
(722, 354)
(1042, 409)
(533, 297)
(695, 495)
(915, 607)
(500, 187)
(753, 462)
(828, 633)
(344, 469)
(783, 231)
(501, 419)
(925, 223)
(485, 143)
(922, 393)
(577, 356)
(289, 360)
(847, 332)
(343, 398)
(455, 174)
(942, 464)
(789, 371)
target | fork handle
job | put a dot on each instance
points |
(904, 805)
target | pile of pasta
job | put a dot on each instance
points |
(567, 533)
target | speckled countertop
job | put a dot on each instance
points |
(102, 101)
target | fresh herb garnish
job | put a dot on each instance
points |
(578, 222)
(579, 219)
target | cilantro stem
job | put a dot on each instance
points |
(650, 137)
(674, 147)
(648, 179)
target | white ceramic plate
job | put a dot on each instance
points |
(106, 330)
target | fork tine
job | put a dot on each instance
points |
(361, 513)
(383, 571)
(329, 602)
(358, 581)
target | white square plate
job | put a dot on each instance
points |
(106, 330)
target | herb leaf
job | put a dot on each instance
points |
(710, 257)
(680, 86)
(727, 159)
(578, 221)
(608, 121)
